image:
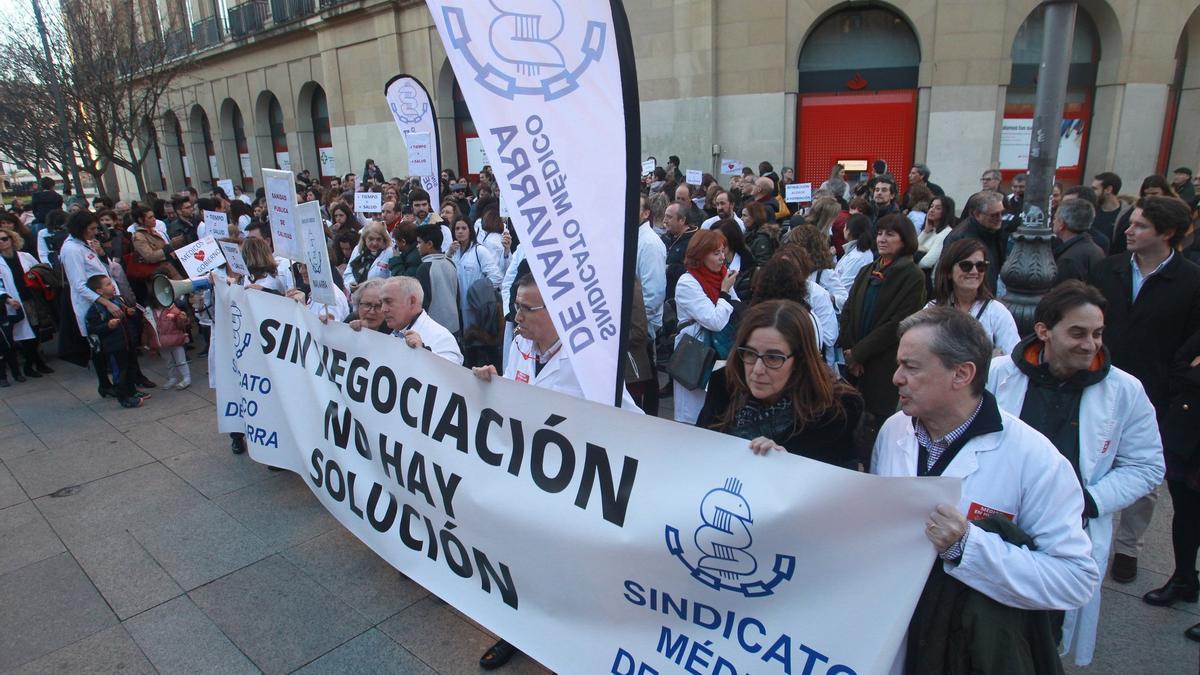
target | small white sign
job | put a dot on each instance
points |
(328, 162)
(212, 166)
(233, 258)
(476, 156)
(216, 224)
(201, 257)
(648, 167)
(284, 161)
(794, 193)
(368, 202)
(226, 184)
(316, 253)
(731, 167)
(695, 176)
(281, 209)
(247, 170)
(420, 154)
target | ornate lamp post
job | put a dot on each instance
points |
(1030, 270)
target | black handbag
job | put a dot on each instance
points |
(692, 362)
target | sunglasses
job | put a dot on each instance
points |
(966, 266)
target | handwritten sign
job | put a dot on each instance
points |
(281, 208)
(201, 257)
(216, 224)
(368, 202)
(648, 167)
(695, 176)
(233, 258)
(316, 254)
(797, 193)
(731, 167)
(420, 153)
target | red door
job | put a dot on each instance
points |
(856, 127)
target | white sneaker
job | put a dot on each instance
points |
(184, 384)
(169, 383)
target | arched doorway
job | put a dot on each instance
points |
(316, 136)
(268, 122)
(154, 170)
(471, 157)
(1184, 118)
(845, 88)
(205, 171)
(177, 155)
(234, 147)
(1017, 126)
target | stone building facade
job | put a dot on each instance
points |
(799, 83)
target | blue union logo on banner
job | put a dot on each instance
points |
(412, 108)
(724, 541)
(524, 55)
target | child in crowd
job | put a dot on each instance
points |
(118, 335)
(172, 325)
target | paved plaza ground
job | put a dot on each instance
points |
(133, 541)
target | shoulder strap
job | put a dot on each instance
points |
(982, 309)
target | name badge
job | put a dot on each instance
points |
(978, 511)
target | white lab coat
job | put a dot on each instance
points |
(825, 319)
(708, 223)
(997, 322)
(1019, 472)
(1120, 460)
(847, 269)
(435, 336)
(691, 304)
(478, 263)
(831, 281)
(495, 242)
(652, 272)
(378, 270)
(79, 263)
(337, 312)
(557, 375)
(8, 285)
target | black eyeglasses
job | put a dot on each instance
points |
(966, 266)
(5, 239)
(771, 360)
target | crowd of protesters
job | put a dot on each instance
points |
(865, 329)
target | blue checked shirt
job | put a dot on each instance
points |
(934, 451)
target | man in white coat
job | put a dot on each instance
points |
(1060, 381)
(949, 426)
(401, 298)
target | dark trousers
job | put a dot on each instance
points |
(100, 363)
(124, 368)
(8, 360)
(1185, 527)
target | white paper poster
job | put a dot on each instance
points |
(476, 156)
(247, 167)
(368, 202)
(731, 167)
(280, 187)
(413, 113)
(187, 167)
(420, 154)
(236, 264)
(226, 184)
(216, 224)
(1016, 135)
(284, 161)
(797, 192)
(694, 176)
(648, 167)
(200, 257)
(328, 162)
(316, 253)
(212, 166)
(600, 541)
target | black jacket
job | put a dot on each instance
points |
(996, 244)
(126, 336)
(676, 252)
(1144, 336)
(1076, 257)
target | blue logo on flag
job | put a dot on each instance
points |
(412, 108)
(526, 51)
(724, 541)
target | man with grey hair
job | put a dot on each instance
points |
(985, 224)
(1076, 252)
(764, 193)
(401, 299)
(990, 180)
(919, 175)
(948, 425)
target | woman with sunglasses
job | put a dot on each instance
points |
(776, 392)
(961, 282)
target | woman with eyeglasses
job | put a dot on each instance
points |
(883, 294)
(961, 283)
(776, 392)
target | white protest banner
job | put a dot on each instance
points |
(695, 176)
(648, 167)
(216, 224)
(280, 187)
(226, 184)
(200, 257)
(316, 253)
(797, 192)
(233, 258)
(731, 167)
(420, 156)
(553, 93)
(368, 202)
(594, 539)
(413, 112)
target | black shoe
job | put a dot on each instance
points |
(107, 392)
(134, 402)
(19, 377)
(4, 382)
(1187, 590)
(1193, 633)
(238, 446)
(144, 382)
(188, 347)
(44, 369)
(31, 372)
(1124, 568)
(497, 655)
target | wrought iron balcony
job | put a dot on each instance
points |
(283, 11)
(206, 32)
(247, 18)
(179, 43)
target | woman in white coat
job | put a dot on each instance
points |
(859, 252)
(1120, 453)
(473, 261)
(12, 283)
(369, 259)
(80, 260)
(702, 303)
(961, 283)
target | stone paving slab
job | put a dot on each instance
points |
(46, 471)
(277, 616)
(130, 580)
(47, 605)
(26, 537)
(10, 491)
(216, 472)
(179, 638)
(282, 511)
(109, 651)
(200, 544)
(17, 440)
(369, 653)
